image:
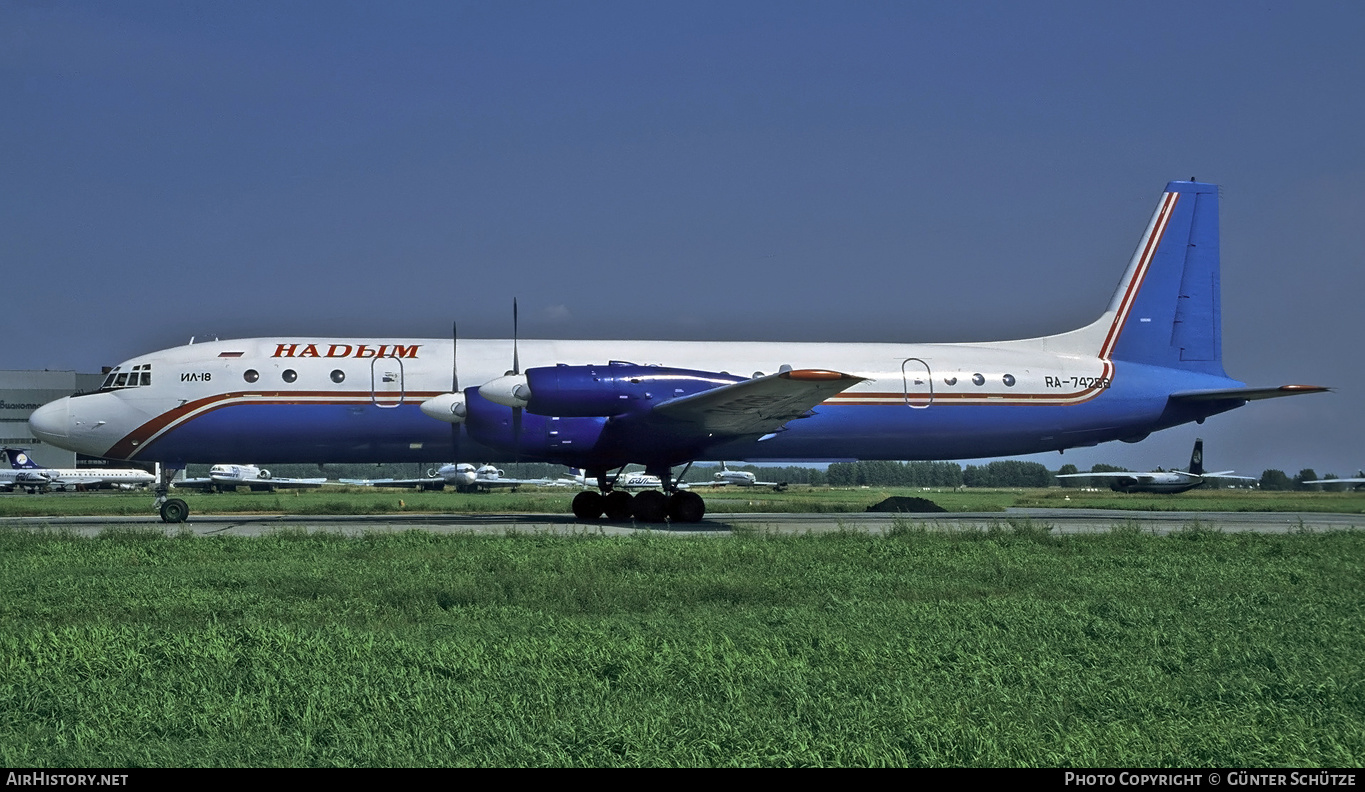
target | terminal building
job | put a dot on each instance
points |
(22, 392)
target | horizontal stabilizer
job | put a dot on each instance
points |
(1246, 394)
(757, 406)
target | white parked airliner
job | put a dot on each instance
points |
(25, 474)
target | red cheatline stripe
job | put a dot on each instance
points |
(141, 436)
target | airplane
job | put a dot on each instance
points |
(467, 478)
(743, 478)
(27, 475)
(1151, 361)
(463, 476)
(1162, 481)
(623, 480)
(227, 478)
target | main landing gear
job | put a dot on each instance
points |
(649, 506)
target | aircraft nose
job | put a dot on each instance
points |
(51, 423)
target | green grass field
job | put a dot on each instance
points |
(997, 648)
(369, 500)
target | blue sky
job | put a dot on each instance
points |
(778, 171)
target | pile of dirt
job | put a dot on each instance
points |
(908, 505)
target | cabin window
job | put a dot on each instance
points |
(1009, 380)
(338, 376)
(289, 375)
(977, 379)
(950, 380)
(251, 375)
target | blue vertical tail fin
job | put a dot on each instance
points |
(1197, 457)
(20, 460)
(1167, 310)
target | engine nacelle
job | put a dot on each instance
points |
(550, 438)
(614, 389)
(265, 474)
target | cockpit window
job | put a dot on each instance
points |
(140, 376)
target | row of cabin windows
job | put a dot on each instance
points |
(980, 379)
(339, 376)
(290, 375)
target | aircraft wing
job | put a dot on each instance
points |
(506, 482)
(430, 482)
(201, 484)
(757, 406)
(283, 483)
(1246, 394)
(1115, 474)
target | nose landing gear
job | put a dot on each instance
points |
(172, 510)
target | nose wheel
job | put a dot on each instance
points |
(174, 510)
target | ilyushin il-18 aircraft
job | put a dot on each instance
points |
(1152, 360)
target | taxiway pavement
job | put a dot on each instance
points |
(1065, 521)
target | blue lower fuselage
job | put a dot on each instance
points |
(1136, 405)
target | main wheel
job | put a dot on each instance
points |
(175, 511)
(617, 505)
(587, 505)
(651, 506)
(686, 507)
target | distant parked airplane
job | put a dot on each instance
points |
(223, 478)
(743, 478)
(1162, 481)
(463, 476)
(26, 474)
